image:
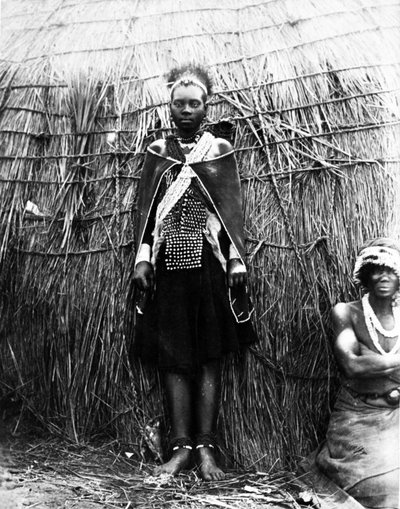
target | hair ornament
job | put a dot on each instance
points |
(186, 81)
(377, 255)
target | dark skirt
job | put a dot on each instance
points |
(188, 320)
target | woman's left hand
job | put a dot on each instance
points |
(237, 274)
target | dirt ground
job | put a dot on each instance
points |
(44, 472)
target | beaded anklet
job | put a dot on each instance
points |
(206, 440)
(181, 443)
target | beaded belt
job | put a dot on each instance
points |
(392, 397)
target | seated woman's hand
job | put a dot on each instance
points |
(143, 276)
(237, 274)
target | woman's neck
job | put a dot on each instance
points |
(380, 305)
(187, 135)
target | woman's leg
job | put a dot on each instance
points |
(206, 411)
(178, 391)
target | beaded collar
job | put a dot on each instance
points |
(374, 325)
(191, 139)
(177, 144)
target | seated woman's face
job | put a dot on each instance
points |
(382, 281)
(187, 107)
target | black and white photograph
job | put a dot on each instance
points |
(199, 254)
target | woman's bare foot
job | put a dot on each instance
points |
(179, 461)
(209, 469)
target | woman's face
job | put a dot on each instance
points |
(187, 108)
(383, 282)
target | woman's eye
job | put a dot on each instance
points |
(177, 104)
(195, 104)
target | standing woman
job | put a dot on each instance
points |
(190, 263)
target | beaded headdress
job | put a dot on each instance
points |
(377, 255)
(189, 80)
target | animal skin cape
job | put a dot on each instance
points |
(219, 180)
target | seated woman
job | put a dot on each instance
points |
(361, 452)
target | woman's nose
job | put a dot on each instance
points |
(384, 274)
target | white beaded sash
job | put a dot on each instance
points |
(183, 180)
(177, 189)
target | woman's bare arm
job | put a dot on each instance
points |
(355, 361)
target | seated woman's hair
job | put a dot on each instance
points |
(188, 71)
(368, 260)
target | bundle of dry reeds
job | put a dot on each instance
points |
(312, 90)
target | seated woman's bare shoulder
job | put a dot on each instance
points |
(220, 147)
(158, 146)
(344, 312)
(340, 309)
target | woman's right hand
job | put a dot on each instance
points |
(143, 276)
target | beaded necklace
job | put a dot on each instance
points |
(175, 145)
(189, 140)
(373, 325)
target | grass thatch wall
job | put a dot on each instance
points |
(312, 88)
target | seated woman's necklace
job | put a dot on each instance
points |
(374, 325)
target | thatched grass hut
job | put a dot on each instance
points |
(312, 91)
